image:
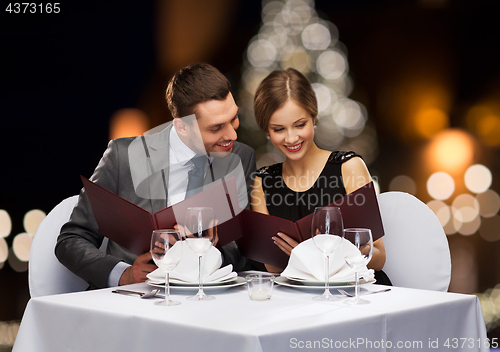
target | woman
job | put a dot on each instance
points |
(286, 109)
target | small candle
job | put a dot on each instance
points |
(259, 294)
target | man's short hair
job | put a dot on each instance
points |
(195, 84)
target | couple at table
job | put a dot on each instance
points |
(205, 120)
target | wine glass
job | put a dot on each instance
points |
(326, 230)
(166, 250)
(200, 235)
(363, 240)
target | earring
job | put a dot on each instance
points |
(268, 136)
(315, 126)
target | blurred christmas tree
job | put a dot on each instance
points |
(293, 35)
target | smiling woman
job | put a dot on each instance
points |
(286, 109)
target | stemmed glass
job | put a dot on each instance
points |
(363, 240)
(326, 230)
(166, 250)
(200, 235)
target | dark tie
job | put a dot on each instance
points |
(196, 175)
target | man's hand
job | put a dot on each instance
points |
(137, 272)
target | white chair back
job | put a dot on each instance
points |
(417, 251)
(46, 275)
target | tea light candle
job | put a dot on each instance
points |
(260, 294)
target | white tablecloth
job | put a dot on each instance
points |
(400, 320)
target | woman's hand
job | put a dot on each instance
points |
(285, 243)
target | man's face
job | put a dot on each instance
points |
(218, 122)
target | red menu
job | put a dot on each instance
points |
(359, 209)
(131, 226)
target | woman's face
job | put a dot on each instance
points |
(291, 129)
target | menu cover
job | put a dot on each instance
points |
(359, 209)
(131, 226)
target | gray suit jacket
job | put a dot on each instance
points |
(80, 239)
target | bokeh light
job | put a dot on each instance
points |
(32, 219)
(430, 121)
(489, 203)
(331, 64)
(5, 224)
(488, 129)
(440, 185)
(451, 150)
(4, 250)
(403, 183)
(296, 58)
(466, 228)
(490, 228)
(478, 178)
(128, 123)
(324, 95)
(350, 116)
(485, 121)
(316, 36)
(451, 227)
(16, 264)
(261, 53)
(293, 35)
(442, 211)
(22, 245)
(467, 206)
(490, 305)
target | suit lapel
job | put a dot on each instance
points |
(158, 148)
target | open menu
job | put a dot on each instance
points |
(131, 226)
(359, 209)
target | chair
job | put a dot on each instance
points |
(417, 251)
(46, 276)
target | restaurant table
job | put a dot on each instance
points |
(400, 320)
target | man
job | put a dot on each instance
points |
(199, 91)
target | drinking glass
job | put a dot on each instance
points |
(200, 235)
(326, 230)
(363, 240)
(166, 250)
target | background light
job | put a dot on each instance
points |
(15, 263)
(467, 206)
(442, 211)
(451, 150)
(478, 178)
(331, 64)
(403, 183)
(316, 37)
(4, 250)
(128, 123)
(431, 121)
(5, 224)
(489, 203)
(261, 53)
(32, 219)
(440, 185)
(22, 245)
(490, 229)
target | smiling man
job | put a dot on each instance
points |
(154, 171)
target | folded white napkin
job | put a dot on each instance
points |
(307, 263)
(187, 269)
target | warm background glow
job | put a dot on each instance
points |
(128, 123)
(451, 150)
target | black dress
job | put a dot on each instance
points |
(285, 203)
